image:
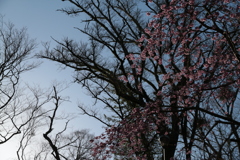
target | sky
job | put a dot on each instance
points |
(43, 21)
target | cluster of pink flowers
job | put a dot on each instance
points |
(196, 67)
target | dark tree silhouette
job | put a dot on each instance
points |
(15, 50)
(160, 67)
(68, 146)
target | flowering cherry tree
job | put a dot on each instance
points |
(177, 76)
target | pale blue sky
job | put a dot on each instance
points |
(40, 17)
(43, 22)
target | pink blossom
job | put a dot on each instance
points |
(163, 6)
(156, 57)
(160, 61)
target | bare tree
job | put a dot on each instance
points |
(15, 49)
(65, 145)
(37, 114)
